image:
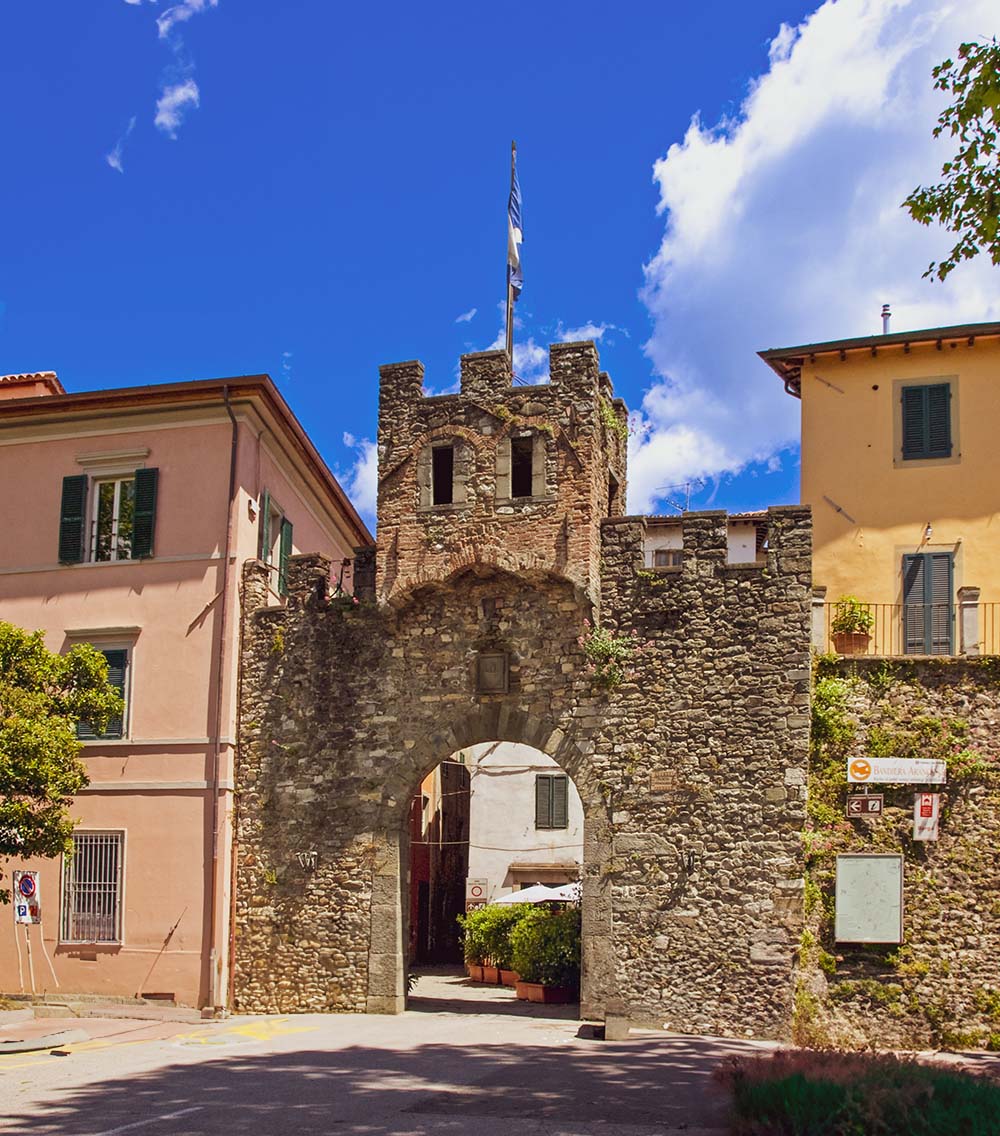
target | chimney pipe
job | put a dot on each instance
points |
(885, 319)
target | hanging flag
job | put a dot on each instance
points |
(514, 233)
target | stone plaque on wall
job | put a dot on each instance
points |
(492, 672)
(664, 781)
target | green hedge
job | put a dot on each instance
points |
(545, 946)
(825, 1093)
(487, 933)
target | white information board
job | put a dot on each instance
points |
(869, 899)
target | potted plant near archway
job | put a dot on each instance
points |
(546, 954)
(851, 626)
(474, 942)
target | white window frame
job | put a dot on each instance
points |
(94, 488)
(65, 897)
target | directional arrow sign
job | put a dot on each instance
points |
(869, 805)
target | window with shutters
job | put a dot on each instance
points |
(928, 608)
(108, 518)
(551, 800)
(118, 675)
(275, 543)
(926, 421)
(92, 888)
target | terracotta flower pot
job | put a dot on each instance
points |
(509, 977)
(491, 974)
(555, 995)
(851, 642)
(475, 971)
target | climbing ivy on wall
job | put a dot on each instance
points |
(888, 710)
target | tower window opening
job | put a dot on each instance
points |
(443, 475)
(520, 467)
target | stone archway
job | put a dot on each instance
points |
(387, 973)
(692, 773)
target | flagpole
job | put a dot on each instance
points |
(510, 286)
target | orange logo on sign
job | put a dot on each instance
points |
(860, 769)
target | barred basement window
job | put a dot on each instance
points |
(92, 888)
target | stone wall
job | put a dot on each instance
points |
(691, 771)
(577, 424)
(941, 987)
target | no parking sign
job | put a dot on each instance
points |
(27, 898)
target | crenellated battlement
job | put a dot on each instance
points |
(513, 477)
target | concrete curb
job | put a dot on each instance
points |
(49, 1041)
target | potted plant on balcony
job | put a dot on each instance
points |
(851, 626)
(546, 955)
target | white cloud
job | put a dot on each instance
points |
(589, 330)
(466, 317)
(179, 13)
(361, 480)
(174, 103)
(783, 225)
(114, 159)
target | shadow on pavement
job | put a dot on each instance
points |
(636, 1088)
(447, 989)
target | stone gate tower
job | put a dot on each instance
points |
(501, 539)
(517, 477)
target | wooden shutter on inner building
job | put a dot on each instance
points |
(72, 519)
(144, 523)
(543, 802)
(560, 801)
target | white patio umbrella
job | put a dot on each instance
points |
(568, 893)
(537, 893)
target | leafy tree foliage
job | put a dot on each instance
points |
(967, 200)
(42, 697)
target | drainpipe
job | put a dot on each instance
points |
(219, 690)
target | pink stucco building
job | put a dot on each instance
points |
(128, 515)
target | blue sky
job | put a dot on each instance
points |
(310, 189)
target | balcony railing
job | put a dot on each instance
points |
(912, 629)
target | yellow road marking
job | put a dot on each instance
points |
(265, 1029)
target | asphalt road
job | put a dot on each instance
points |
(449, 1065)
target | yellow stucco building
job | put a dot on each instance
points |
(900, 466)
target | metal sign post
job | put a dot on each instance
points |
(926, 811)
(475, 893)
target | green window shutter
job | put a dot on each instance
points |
(913, 605)
(144, 523)
(940, 608)
(284, 551)
(117, 667)
(543, 801)
(939, 420)
(913, 422)
(264, 536)
(72, 519)
(926, 412)
(928, 606)
(560, 801)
